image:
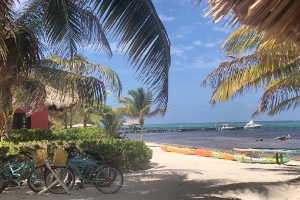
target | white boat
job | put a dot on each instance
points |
(252, 125)
(227, 127)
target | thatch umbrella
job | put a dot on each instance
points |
(60, 99)
(278, 19)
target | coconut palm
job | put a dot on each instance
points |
(138, 106)
(112, 119)
(266, 63)
(67, 26)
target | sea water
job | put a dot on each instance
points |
(229, 139)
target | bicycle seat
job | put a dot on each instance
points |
(94, 154)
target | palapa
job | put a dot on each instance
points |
(60, 99)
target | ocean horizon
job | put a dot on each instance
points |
(273, 123)
(226, 140)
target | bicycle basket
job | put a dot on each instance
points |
(60, 157)
(40, 157)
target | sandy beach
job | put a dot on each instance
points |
(174, 176)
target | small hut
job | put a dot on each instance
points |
(132, 124)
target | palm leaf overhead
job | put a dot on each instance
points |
(281, 95)
(144, 39)
(70, 25)
(81, 69)
(7, 25)
(270, 65)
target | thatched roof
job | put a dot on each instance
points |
(131, 122)
(59, 99)
(278, 19)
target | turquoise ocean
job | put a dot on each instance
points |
(226, 140)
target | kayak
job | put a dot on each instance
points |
(217, 155)
(204, 152)
(262, 160)
(164, 148)
(227, 156)
(187, 151)
(173, 149)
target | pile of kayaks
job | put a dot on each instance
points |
(241, 157)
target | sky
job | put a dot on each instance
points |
(195, 52)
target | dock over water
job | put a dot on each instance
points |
(179, 129)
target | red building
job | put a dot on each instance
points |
(38, 120)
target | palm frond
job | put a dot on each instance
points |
(242, 40)
(280, 95)
(144, 39)
(7, 25)
(81, 67)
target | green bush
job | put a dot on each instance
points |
(125, 154)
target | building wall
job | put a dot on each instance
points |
(39, 120)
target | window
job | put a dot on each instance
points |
(21, 121)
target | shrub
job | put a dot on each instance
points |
(125, 154)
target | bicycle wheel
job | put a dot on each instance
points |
(109, 180)
(65, 174)
(36, 179)
(3, 182)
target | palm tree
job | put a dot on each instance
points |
(267, 63)
(83, 72)
(112, 119)
(66, 26)
(139, 105)
(70, 25)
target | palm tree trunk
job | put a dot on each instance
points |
(7, 128)
(142, 130)
(7, 113)
(66, 118)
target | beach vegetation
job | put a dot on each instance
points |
(112, 119)
(255, 64)
(128, 155)
(138, 106)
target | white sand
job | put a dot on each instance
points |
(175, 176)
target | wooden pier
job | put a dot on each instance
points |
(179, 129)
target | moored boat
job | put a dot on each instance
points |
(262, 160)
(227, 127)
(252, 125)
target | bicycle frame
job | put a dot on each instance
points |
(15, 172)
(84, 168)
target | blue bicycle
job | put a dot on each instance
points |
(14, 172)
(106, 178)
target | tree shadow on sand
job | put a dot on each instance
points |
(180, 184)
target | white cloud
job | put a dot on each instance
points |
(223, 29)
(180, 50)
(211, 44)
(197, 43)
(201, 64)
(179, 36)
(165, 18)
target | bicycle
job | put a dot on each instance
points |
(14, 173)
(107, 179)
